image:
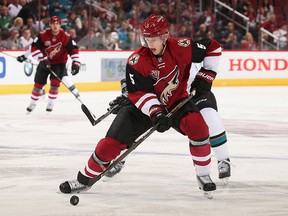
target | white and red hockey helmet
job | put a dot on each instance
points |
(154, 26)
(55, 19)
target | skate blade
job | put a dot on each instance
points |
(225, 180)
(208, 194)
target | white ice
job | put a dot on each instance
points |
(40, 151)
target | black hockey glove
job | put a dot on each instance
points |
(21, 58)
(120, 101)
(203, 82)
(75, 68)
(158, 116)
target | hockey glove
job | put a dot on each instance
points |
(203, 82)
(21, 58)
(120, 101)
(158, 116)
(75, 68)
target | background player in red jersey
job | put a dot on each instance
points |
(51, 48)
(157, 74)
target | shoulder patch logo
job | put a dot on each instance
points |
(184, 42)
(155, 74)
(134, 59)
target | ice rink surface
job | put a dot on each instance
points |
(40, 151)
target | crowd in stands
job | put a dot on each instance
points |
(115, 24)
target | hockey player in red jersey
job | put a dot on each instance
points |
(157, 75)
(51, 48)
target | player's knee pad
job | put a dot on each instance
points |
(108, 149)
(193, 125)
(213, 120)
(216, 127)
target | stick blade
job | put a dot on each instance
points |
(89, 115)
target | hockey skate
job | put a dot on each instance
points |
(207, 185)
(31, 107)
(116, 169)
(224, 169)
(73, 186)
(49, 107)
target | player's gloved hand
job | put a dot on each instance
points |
(203, 82)
(120, 101)
(75, 68)
(158, 116)
(21, 58)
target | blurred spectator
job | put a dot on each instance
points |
(243, 5)
(183, 31)
(231, 29)
(73, 34)
(103, 23)
(129, 43)
(12, 42)
(281, 34)
(268, 7)
(188, 15)
(84, 30)
(42, 24)
(60, 8)
(92, 41)
(111, 41)
(218, 32)
(250, 13)
(248, 43)
(74, 21)
(202, 32)
(170, 14)
(83, 14)
(117, 9)
(231, 42)
(17, 24)
(5, 21)
(25, 40)
(262, 15)
(14, 8)
(271, 24)
(123, 32)
(30, 24)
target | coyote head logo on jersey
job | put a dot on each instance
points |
(52, 50)
(168, 84)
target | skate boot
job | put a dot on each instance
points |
(207, 185)
(116, 169)
(73, 186)
(224, 169)
(31, 107)
(49, 107)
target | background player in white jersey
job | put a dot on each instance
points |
(52, 48)
(157, 74)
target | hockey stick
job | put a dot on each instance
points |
(7, 54)
(28, 64)
(82, 104)
(92, 118)
(140, 140)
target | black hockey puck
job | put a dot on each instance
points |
(74, 200)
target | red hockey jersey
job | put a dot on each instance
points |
(55, 48)
(162, 80)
